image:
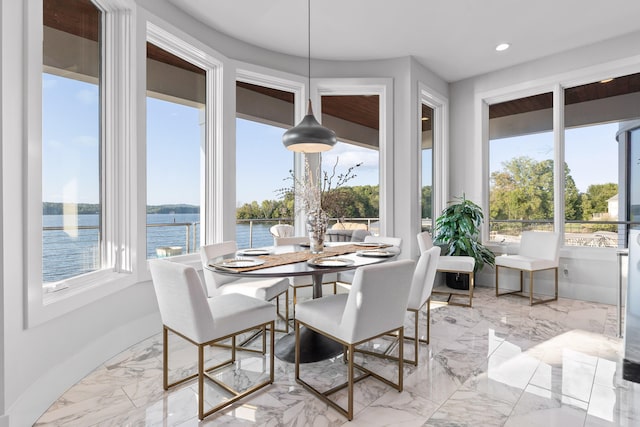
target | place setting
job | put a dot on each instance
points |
(329, 262)
(377, 253)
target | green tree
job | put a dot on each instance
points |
(427, 202)
(523, 190)
(595, 199)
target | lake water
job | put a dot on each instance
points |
(69, 253)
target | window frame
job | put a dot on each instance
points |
(440, 155)
(259, 76)
(555, 84)
(124, 36)
(116, 101)
(212, 164)
(383, 88)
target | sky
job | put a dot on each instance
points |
(71, 156)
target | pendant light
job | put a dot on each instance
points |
(309, 136)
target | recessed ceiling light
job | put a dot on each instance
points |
(425, 119)
(502, 46)
(606, 80)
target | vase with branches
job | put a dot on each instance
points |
(313, 194)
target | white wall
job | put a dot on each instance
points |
(592, 272)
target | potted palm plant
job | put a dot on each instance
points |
(458, 234)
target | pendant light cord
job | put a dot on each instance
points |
(309, 45)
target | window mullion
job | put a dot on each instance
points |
(558, 173)
(119, 151)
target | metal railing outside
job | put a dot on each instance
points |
(70, 251)
(608, 234)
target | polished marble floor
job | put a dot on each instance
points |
(500, 363)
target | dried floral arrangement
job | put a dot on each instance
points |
(310, 193)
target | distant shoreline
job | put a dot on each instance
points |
(56, 208)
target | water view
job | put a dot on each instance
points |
(72, 251)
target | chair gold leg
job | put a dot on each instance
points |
(296, 328)
(428, 320)
(200, 382)
(530, 288)
(531, 293)
(203, 372)
(416, 342)
(295, 300)
(349, 357)
(350, 381)
(165, 358)
(472, 284)
(401, 357)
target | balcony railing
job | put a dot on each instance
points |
(607, 234)
(70, 251)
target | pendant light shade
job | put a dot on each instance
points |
(309, 136)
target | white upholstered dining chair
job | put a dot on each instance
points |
(420, 295)
(355, 318)
(346, 277)
(539, 251)
(282, 230)
(186, 311)
(267, 289)
(297, 282)
(451, 264)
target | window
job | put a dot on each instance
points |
(594, 113)
(356, 121)
(176, 91)
(521, 156)
(72, 167)
(595, 153)
(426, 169)
(262, 162)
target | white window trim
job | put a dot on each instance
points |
(440, 128)
(261, 76)
(383, 87)
(212, 166)
(554, 84)
(117, 107)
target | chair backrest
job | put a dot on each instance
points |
(181, 299)
(423, 277)
(393, 241)
(282, 241)
(359, 235)
(541, 245)
(425, 241)
(377, 300)
(214, 280)
(282, 230)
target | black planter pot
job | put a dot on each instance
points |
(458, 281)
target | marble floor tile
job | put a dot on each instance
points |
(498, 363)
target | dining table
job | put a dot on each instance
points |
(297, 260)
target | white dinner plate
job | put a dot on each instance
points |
(377, 253)
(330, 262)
(254, 252)
(239, 263)
(368, 244)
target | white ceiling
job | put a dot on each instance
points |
(453, 38)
